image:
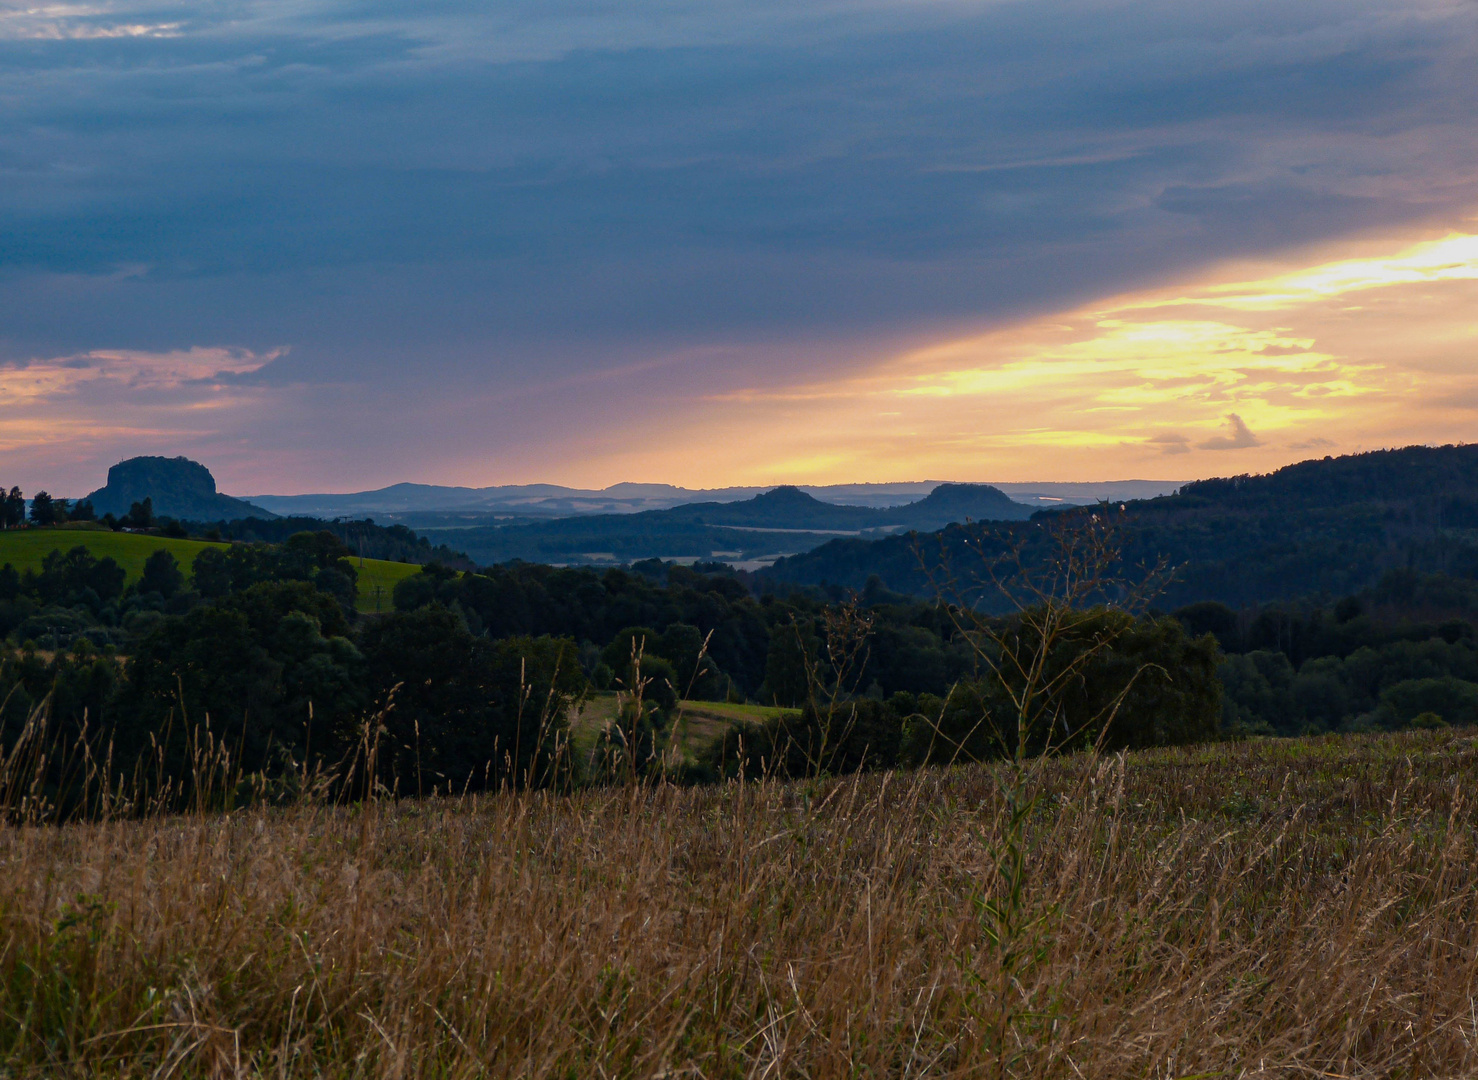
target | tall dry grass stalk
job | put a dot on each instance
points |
(1257, 910)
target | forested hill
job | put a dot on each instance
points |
(780, 508)
(1330, 526)
(950, 503)
(1380, 476)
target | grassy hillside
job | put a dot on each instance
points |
(25, 548)
(1266, 909)
(377, 579)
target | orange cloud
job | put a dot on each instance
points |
(70, 405)
(42, 380)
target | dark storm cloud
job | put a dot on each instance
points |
(486, 190)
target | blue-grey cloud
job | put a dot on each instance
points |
(492, 192)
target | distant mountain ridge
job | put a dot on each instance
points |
(790, 507)
(178, 488)
(781, 520)
(418, 504)
(550, 523)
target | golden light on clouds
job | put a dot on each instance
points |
(1452, 258)
(71, 404)
(1227, 374)
(127, 369)
(75, 22)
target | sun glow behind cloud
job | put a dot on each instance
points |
(1220, 375)
(1452, 258)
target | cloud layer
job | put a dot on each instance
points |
(509, 240)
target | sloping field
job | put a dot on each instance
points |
(1262, 910)
(377, 579)
(25, 548)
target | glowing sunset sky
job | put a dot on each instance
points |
(328, 246)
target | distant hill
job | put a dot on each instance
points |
(949, 503)
(785, 519)
(781, 508)
(179, 488)
(792, 508)
(1330, 526)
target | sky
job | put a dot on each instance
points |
(328, 246)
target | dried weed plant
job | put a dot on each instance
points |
(1033, 657)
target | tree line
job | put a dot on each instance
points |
(1400, 653)
(471, 680)
(46, 509)
(365, 539)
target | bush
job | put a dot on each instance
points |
(1452, 700)
(662, 683)
(161, 575)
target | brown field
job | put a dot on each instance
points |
(1272, 909)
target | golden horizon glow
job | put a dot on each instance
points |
(1224, 374)
(1452, 258)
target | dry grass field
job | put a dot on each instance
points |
(1270, 909)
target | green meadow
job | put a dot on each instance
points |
(25, 548)
(377, 581)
